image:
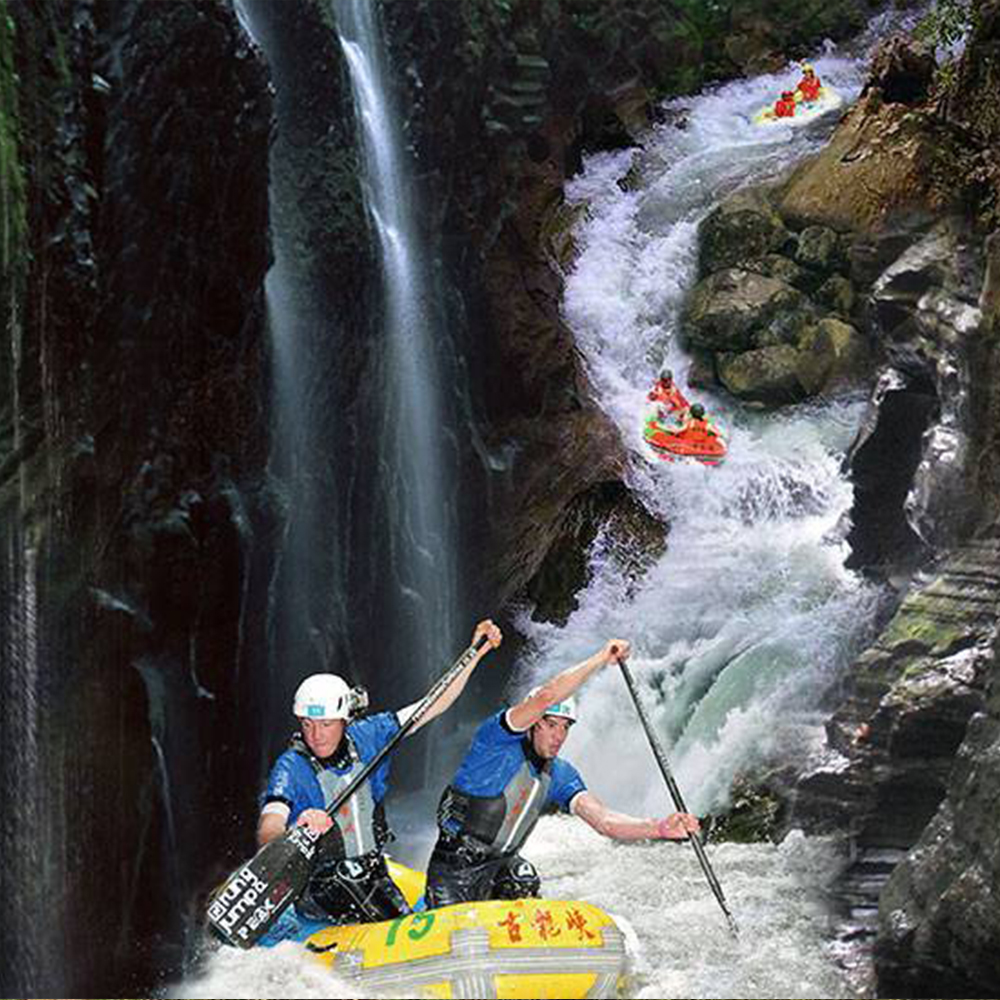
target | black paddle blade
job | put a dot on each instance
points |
(248, 903)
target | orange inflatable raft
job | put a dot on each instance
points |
(690, 446)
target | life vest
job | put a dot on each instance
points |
(784, 109)
(698, 428)
(359, 821)
(500, 823)
(809, 87)
(672, 397)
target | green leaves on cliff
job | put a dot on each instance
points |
(948, 23)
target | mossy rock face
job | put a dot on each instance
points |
(755, 815)
(743, 228)
(768, 375)
(731, 309)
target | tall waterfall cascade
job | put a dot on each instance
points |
(410, 448)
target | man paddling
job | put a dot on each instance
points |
(510, 773)
(350, 882)
(809, 86)
(666, 391)
(697, 425)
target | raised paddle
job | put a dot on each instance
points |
(249, 902)
(675, 794)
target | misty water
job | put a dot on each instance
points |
(411, 436)
(737, 630)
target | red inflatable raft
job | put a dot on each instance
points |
(709, 449)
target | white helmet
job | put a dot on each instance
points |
(565, 709)
(323, 696)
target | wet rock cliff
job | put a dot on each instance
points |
(133, 500)
(910, 765)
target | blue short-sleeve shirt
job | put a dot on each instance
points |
(293, 781)
(497, 754)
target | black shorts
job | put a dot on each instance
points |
(461, 872)
(353, 890)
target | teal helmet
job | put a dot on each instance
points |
(697, 411)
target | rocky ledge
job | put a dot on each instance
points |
(911, 768)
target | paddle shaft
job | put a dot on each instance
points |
(430, 699)
(675, 794)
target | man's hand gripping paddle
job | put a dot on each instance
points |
(675, 794)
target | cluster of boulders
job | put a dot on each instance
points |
(772, 318)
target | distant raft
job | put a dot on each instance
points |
(535, 949)
(805, 112)
(667, 444)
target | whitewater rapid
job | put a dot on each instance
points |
(737, 629)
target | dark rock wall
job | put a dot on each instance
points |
(939, 926)
(910, 769)
(135, 513)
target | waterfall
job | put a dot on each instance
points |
(363, 456)
(24, 846)
(411, 438)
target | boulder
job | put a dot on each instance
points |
(838, 295)
(742, 228)
(733, 310)
(831, 354)
(775, 265)
(769, 375)
(819, 248)
(886, 164)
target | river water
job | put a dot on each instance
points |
(737, 630)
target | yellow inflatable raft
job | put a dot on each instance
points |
(537, 949)
(805, 111)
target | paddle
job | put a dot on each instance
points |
(675, 794)
(249, 902)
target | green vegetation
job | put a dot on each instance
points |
(948, 23)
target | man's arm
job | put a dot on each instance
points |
(270, 826)
(525, 714)
(274, 822)
(450, 694)
(621, 826)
